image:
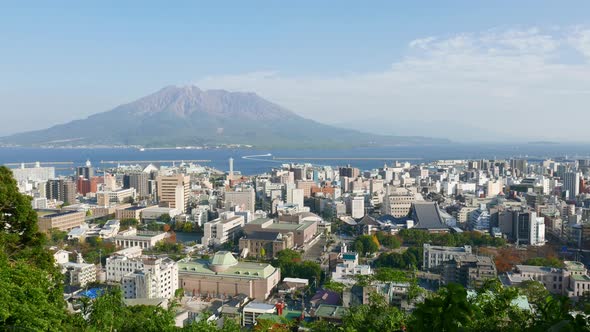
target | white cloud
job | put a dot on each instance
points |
(515, 82)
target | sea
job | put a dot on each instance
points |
(250, 161)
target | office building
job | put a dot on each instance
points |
(109, 198)
(244, 199)
(571, 185)
(86, 171)
(223, 229)
(173, 191)
(62, 221)
(139, 181)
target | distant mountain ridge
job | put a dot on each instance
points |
(189, 116)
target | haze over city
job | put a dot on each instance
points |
(458, 70)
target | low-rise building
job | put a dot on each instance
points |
(303, 232)
(435, 256)
(225, 275)
(471, 271)
(265, 244)
(63, 221)
(134, 238)
(349, 268)
(132, 212)
(225, 228)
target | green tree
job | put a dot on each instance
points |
(535, 291)
(16, 213)
(448, 310)
(378, 316)
(129, 222)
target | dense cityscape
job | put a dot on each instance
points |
(295, 166)
(313, 247)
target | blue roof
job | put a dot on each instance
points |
(92, 293)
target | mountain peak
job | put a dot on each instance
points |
(187, 115)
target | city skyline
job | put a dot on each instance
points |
(458, 71)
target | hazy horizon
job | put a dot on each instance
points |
(460, 70)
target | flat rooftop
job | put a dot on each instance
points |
(60, 214)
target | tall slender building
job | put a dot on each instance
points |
(571, 184)
(230, 174)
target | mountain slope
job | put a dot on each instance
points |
(177, 116)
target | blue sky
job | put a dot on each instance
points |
(66, 60)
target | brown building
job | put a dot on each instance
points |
(224, 275)
(306, 185)
(269, 242)
(85, 186)
(132, 212)
(63, 221)
(303, 232)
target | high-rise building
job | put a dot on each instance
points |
(571, 184)
(245, 199)
(173, 191)
(349, 171)
(295, 197)
(86, 171)
(139, 181)
(61, 190)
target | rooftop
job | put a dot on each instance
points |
(59, 214)
(330, 311)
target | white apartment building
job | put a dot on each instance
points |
(143, 277)
(349, 267)
(435, 256)
(222, 229)
(35, 174)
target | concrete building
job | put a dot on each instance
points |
(225, 275)
(303, 232)
(114, 197)
(306, 185)
(139, 181)
(79, 273)
(35, 174)
(349, 267)
(295, 196)
(245, 199)
(133, 238)
(61, 190)
(435, 256)
(153, 213)
(143, 277)
(265, 244)
(174, 190)
(63, 221)
(471, 271)
(132, 212)
(398, 202)
(571, 184)
(223, 229)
